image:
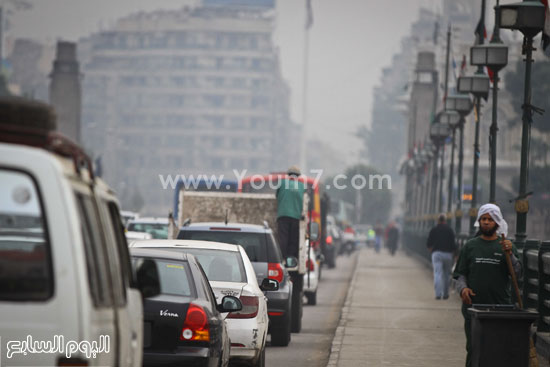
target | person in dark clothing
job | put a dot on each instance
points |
(442, 245)
(392, 237)
(290, 199)
(481, 273)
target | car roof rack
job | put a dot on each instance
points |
(32, 124)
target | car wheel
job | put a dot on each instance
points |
(280, 337)
(312, 298)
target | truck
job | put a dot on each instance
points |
(260, 209)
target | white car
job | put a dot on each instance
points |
(127, 215)
(230, 273)
(311, 278)
(136, 236)
(156, 227)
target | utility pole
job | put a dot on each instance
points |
(442, 171)
(477, 117)
(303, 143)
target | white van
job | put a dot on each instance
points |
(67, 292)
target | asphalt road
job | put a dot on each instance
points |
(311, 347)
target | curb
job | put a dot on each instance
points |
(340, 329)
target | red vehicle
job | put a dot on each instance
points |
(269, 184)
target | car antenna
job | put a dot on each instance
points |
(226, 213)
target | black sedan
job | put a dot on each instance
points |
(183, 324)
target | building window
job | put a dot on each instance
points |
(214, 100)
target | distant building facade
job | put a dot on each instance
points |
(195, 91)
(65, 90)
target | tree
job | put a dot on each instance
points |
(368, 185)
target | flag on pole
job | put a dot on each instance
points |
(481, 32)
(309, 15)
(463, 66)
(454, 67)
(546, 30)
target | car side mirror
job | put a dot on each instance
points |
(269, 285)
(230, 304)
(147, 278)
(313, 231)
(291, 262)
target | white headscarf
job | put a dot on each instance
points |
(494, 212)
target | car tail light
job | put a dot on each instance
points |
(309, 265)
(329, 240)
(251, 304)
(275, 271)
(196, 325)
(275, 313)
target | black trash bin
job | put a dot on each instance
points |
(500, 335)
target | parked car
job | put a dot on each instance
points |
(127, 216)
(311, 279)
(183, 324)
(156, 227)
(264, 253)
(230, 272)
(133, 236)
(65, 264)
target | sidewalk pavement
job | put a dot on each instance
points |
(391, 317)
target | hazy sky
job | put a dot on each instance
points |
(350, 41)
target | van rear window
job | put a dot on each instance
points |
(253, 243)
(25, 257)
(173, 276)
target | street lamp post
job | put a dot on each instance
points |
(495, 57)
(439, 132)
(462, 104)
(528, 17)
(451, 118)
(478, 86)
(428, 154)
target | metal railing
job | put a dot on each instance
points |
(534, 283)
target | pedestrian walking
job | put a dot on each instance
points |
(441, 243)
(378, 232)
(290, 199)
(481, 271)
(392, 237)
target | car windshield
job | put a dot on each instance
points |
(173, 276)
(220, 265)
(253, 243)
(157, 230)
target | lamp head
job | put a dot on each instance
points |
(527, 16)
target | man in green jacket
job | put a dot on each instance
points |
(481, 272)
(290, 198)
